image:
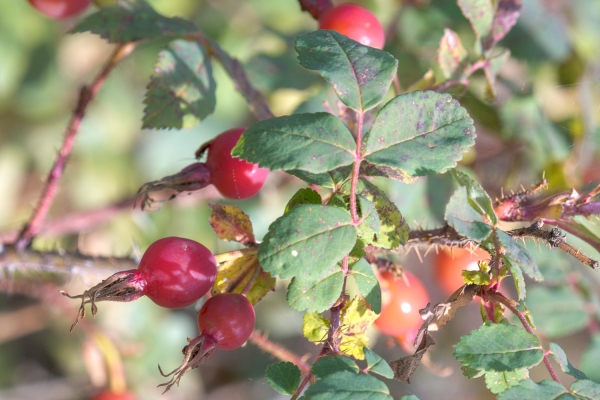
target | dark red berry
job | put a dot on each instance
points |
(227, 317)
(355, 22)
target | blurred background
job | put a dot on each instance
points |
(544, 120)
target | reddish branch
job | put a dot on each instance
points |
(86, 95)
(277, 351)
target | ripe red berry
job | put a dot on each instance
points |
(401, 302)
(177, 271)
(355, 22)
(108, 395)
(173, 272)
(59, 9)
(233, 177)
(229, 318)
(448, 267)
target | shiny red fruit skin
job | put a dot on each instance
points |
(233, 177)
(177, 271)
(448, 267)
(228, 318)
(59, 9)
(401, 304)
(108, 395)
(356, 22)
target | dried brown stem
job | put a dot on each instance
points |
(86, 95)
(278, 351)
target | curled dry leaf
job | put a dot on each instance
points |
(442, 313)
(404, 367)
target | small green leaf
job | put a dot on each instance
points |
(462, 217)
(315, 327)
(561, 358)
(476, 277)
(377, 365)
(181, 91)
(131, 21)
(314, 143)
(590, 357)
(368, 230)
(498, 382)
(420, 133)
(409, 397)
(528, 389)
(316, 293)
(325, 179)
(518, 278)
(367, 284)
(558, 312)
(348, 385)
(360, 75)
(499, 348)
(480, 14)
(284, 377)
(516, 254)
(331, 364)
(586, 389)
(307, 241)
(491, 69)
(478, 198)
(452, 56)
(303, 196)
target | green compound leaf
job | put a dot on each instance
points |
(452, 56)
(328, 179)
(316, 293)
(586, 389)
(307, 241)
(284, 377)
(377, 365)
(181, 92)
(131, 21)
(561, 358)
(393, 229)
(478, 198)
(315, 327)
(558, 312)
(545, 390)
(328, 365)
(590, 357)
(499, 348)
(420, 133)
(498, 382)
(367, 284)
(463, 217)
(517, 255)
(314, 143)
(360, 75)
(347, 385)
(303, 196)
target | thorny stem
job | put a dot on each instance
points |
(262, 341)
(511, 306)
(86, 95)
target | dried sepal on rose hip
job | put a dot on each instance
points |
(225, 322)
(174, 272)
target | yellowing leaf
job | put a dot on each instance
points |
(355, 318)
(230, 223)
(476, 277)
(235, 274)
(315, 327)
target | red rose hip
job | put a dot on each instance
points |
(355, 22)
(59, 9)
(233, 177)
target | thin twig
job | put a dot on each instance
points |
(511, 306)
(278, 351)
(86, 95)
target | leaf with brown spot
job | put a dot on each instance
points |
(230, 223)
